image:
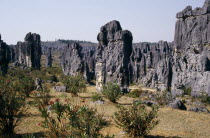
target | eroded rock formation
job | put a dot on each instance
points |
(114, 51)
(77, 60)
(4, 56)
(28, 53)
(71, 60)
(48, 58)
(192, 58)
(152, 64)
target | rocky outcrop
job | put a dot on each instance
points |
(71, 61)
(192, 58)
(77, 60)
(113, 52)
(177, 104)
(48, 58)
(4, 56)
(152, 64)
(28, 53)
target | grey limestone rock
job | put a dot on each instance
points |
(114, 49)
(177, 104)
(29, 53)
(49, 58)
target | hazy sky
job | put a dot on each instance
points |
(148, 20)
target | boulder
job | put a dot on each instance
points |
(177, 104)
(199, 109)
(60, 88)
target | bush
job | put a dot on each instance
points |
(137, 120)
(163, 98)
(42, 95)
(53, 78)
(205, 98)
(187, 91)
(112, 92)
(27, 85)
(75, 84)
(136, 93)
(96, 97)
(12, 105)
(70, 120)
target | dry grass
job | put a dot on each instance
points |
(173, 123)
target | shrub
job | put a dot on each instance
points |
(75, 84)
(137, 120)
(70, 120)
(136, 93)
(42, 95)
(27, 85)
(53, 78)
(96, 97)
(205, 98)
(163, 98)
(112, 92)
(187, 90)
(12, 105)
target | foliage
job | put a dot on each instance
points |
(27, 85)
(135, 93)
(163, 98)
(205, 98)
(96, 97)
(68, 120)
(187, 90)
(53, 78)
(137, 120)
(42, 95)
(112, 92)
(24, 77)
(12, 105)
(75, 84)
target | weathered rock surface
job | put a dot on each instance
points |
(192, 58)
(77, 60)
(49, 58)
(60, 88)
(199, 109)
(152, 64)
(114, 51)
(4, 56)
(28, 53)
(177, 104)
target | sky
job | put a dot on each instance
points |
(148, 20)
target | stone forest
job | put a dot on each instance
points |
(113, 88)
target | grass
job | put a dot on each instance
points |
(173, 123)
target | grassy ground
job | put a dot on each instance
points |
(173, 123)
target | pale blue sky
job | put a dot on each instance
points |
(148, 20)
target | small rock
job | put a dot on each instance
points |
(177, 104)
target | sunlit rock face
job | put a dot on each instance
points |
(4, 56)
(28, 53)
(192, 58)
(113, 54)
(78, 60)
(152, 64)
